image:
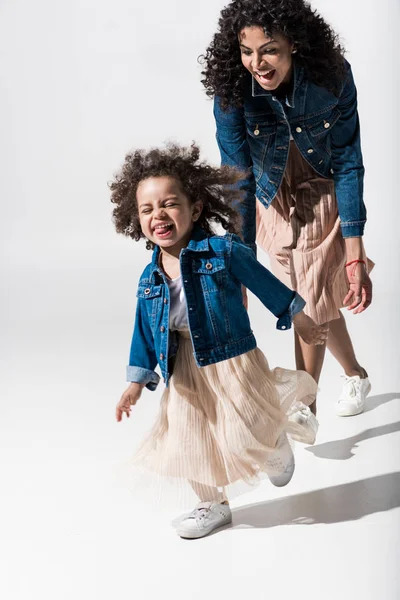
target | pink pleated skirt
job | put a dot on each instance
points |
(301, 233)
(218, 425)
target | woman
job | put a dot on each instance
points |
(285, 106)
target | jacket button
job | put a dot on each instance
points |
(257, 132)
(299, 129)
(165, 301)
(147, 291)
(162, 328)
(208, 266)
(327, 125)
(310, 151)
(161, 356)
(331, 171)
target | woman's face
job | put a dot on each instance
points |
(269, 59)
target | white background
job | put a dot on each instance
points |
(82, 83)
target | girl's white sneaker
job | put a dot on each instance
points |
(304, 417)
(282, 460)
(352, 400)
(206, 517)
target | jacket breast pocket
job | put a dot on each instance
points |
(260, 131)
(321, 125)
(211, 273)
(152, 294)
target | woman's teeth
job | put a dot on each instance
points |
(266, 74)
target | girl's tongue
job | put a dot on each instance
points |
(163, 232)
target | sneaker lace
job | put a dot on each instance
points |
(200, 512)
(352, 385)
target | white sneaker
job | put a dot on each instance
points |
(352, 399)
(304, 417)
(282, 460)
(206, 517)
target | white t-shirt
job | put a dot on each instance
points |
(177, 310)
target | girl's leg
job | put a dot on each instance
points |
(341, 347)
(207, 493)
(310, 359)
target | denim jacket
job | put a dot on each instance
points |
(255, 138)
(213, 268)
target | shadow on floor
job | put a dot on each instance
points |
(373, 402)
(343, 449)
(345, 502)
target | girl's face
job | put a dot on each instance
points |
(269, 59)
(165, 212)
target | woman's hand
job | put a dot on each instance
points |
(309, 331)
(359, 296)
(128, 399)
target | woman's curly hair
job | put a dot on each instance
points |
(318, 48)
(199, 181)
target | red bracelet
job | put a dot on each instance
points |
(355, 261)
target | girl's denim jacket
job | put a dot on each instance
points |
(213, 269)
(255, 138)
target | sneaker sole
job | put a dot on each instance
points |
(285, 478)
(356, 411)
(194, 535)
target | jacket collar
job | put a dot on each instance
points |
(298, 72)
(198, 243)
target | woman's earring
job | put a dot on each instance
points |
(294, 51)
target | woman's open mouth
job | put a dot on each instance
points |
(265, 76)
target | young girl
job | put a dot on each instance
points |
(224, 415)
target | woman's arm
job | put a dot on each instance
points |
(235, 152)
(347, 163)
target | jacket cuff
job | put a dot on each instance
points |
(144, 376)
(352, 229)
(296, 305)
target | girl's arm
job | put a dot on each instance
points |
(235, 152)
(276, 296)
(142, 359)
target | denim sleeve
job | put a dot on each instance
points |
(276, 296)
(142, 359)
(347, 162)
(235, 152)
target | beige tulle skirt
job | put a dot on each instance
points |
(301, 232)
(218, 425)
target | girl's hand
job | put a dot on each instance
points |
(359, 296)
(309, 331)
(128, 399)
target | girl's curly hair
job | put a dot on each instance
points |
(318, 48)
(199, 181)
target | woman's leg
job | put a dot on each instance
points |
(310, 359)
(341, 347)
